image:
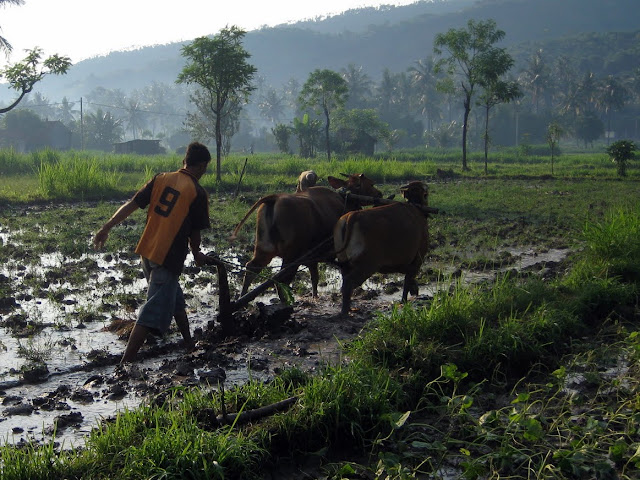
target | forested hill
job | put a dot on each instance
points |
(389, 37)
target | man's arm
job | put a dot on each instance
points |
(121, 214)
(194, 242)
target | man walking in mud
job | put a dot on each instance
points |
(178, 209)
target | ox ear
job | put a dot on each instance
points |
(336, 183)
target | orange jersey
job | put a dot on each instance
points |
(177, 205)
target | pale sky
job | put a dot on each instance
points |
(81, 29)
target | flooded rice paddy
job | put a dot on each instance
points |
(64, 323)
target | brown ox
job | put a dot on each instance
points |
(389, 239)
(306, 180)
(293, 226)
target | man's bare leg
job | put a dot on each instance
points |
(136, 338)
(183, 325)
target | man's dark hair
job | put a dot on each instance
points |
(197, 153)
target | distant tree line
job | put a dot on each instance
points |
(507, 99)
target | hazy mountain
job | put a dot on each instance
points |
(386, 37)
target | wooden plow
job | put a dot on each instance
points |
(227, 306)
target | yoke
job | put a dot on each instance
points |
(227, 307)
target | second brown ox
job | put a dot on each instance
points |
(389, 239)
(300, 226)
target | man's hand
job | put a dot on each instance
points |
(100, 238)
(207, 259)
(123, 212)
(200, 258)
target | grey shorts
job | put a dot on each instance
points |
(164, 297)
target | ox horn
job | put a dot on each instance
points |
(345, 174)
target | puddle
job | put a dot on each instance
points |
(66, 304)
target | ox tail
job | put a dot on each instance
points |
(344, 229)
(267, 199)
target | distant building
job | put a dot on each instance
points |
(141, 147)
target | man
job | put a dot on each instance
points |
(178, 211)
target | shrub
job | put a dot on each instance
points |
(621, 152)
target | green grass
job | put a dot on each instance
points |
(476, 379)
(77, 175)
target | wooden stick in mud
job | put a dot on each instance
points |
(256, 414)
(385, 201)
(224, 293)
(241, 175)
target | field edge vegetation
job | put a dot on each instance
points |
(481, 381)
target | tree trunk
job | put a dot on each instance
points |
(486, 140)
(465, 126)
(326, 132)
(218, 147)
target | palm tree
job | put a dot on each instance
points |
(612, 95)
(271, 105)
(156, 99)
(291, 92)
(102, 130)
(384, 93)
(134, 116)
(66, 113)
(536, 78)
(359, 84)
(424, 79)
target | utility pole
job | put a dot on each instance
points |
(81, 126)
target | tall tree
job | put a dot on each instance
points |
(219, 65)
(324, 91)
(134, 116)
(66, 113)
(384, 94)
(494, 93)
(536, 78)
(308, 132)
(202, 123)
(282, 134)
(469, 55)
(358, 130)
(359, 84)
(102, 130)
(424, 80)
(291, 92)
(40, 104)
(272, 105)
(612, 95)
(554, 132)
(23, 76)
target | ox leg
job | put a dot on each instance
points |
(315, 278)
(352, 279)
(346, 291)
(410, 286)
(252, 269)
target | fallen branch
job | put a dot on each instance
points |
(255, 414)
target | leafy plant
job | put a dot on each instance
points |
(621, 152)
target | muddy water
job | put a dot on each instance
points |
(57, 368)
